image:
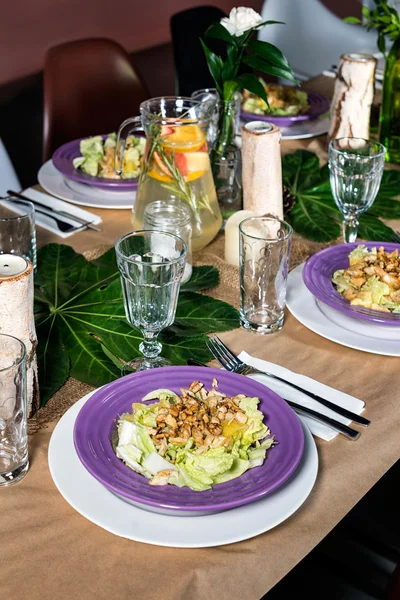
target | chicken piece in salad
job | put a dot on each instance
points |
(98, 157)
(197, 439)
(372, 279)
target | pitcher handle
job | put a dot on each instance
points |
(128, 126)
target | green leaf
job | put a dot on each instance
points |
(373, 229)
(215, 66)
(390, 185)
(266, 67)
(300, 170)
(198, 315)
(230, 66)
(352, 20)
(386, 208)
(316, 216)
(230, 87)
(365, 12)
(220, 32)
(251, 83)
(202, 278)
(313, 221)
(270, 23)
(269, 52)
(381, 42)
(81, 325)
(53, 362)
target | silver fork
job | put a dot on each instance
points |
(349, 432)
(231, 362)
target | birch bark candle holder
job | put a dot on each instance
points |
(353, 96)
(262, 169)
(16, 316)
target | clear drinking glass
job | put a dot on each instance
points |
(17, 229)
(264, 250)
(13, 406)
(151, 265)
(356, 167)
(172, 216)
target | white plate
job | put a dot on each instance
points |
(335, 326)
(87, 496)
(300, 131)
(306, 129)
(56, 184)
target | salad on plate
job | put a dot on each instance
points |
(371, 280)
(197, 439)
(98, 155)
(284, 101)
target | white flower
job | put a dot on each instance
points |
(240, 20)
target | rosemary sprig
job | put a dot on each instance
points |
(185, 191)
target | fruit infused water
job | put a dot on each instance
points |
(176, 164)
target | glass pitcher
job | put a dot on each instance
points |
(176, 161)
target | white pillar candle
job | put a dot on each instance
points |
(11, 265)
(232, 235)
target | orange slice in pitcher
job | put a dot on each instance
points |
(191, 165)
(184, 138)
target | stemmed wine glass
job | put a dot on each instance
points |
(356, 167)
(151, 265)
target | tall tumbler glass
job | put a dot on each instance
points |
(151, 265)
(14, 462)
(356, 167)
(17, 228)
(264, 250)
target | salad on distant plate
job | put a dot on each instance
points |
(372, 279)
(98, 157)
(197, 439)
(283, 101)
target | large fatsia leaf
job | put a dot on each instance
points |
(373, 229)
(81, 325)
(315, 215)
(314, 221)
(300, 170)
(201, 279)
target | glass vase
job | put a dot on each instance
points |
(389, 132)
(227, 160)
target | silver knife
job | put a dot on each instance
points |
(349, 432)
(62, 213)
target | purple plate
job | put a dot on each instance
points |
(317, 274)
(318, 106)
(96, 424)
(62, 160)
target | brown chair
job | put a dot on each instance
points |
(90, 87)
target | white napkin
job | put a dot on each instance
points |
(48, 223)
(286, 391)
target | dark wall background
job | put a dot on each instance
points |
(29, 27)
